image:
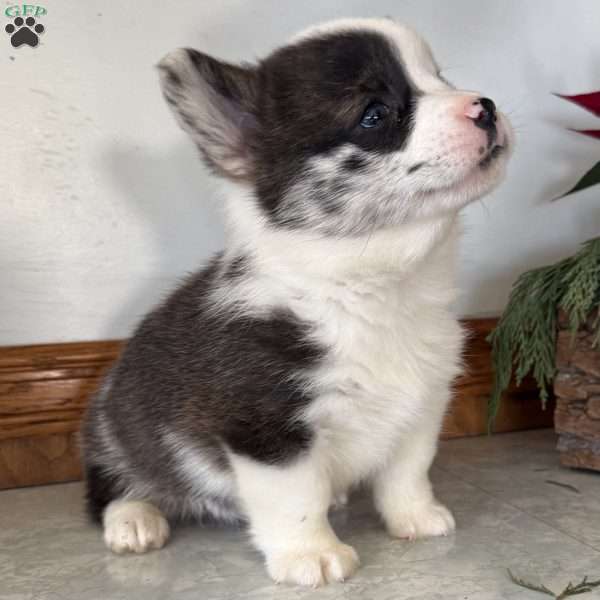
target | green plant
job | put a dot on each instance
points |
(524, 340)
(584, 586)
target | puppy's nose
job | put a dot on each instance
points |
(483, 113)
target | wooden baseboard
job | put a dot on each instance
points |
(38, 460)
(520, 409)
(44, 390)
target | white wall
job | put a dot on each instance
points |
(104, 203)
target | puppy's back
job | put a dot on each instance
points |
(196, 378)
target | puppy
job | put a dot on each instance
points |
(318, 349)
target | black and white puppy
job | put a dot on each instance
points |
(317, 351)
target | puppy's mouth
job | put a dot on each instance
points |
(491, 155)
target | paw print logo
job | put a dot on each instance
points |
(24, 31)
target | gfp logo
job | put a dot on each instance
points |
(24, 29)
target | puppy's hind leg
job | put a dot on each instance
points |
(134, 526)
(129, 525)
(287, 508)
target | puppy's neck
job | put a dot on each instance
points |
(395, 251)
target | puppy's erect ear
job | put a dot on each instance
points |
(214, 102)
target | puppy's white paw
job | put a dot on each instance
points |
(429, 520)
(133, 526)
(314, 567)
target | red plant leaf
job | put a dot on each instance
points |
(595, 133)
(589, 101)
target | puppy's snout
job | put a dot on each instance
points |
(482, 112)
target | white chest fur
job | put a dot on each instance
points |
(382, 307)
(393, 351)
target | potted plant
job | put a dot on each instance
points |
(551, 329)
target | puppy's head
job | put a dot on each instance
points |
(348, 128)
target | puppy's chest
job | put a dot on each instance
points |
(391, 355)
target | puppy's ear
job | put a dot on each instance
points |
(214, 102)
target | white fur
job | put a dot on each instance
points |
(402, 490)
(134, 526)
(287, 507)
(194, 466)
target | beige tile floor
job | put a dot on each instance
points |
(508, 515)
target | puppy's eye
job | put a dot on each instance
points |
(374, 114)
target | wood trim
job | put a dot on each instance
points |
(520, 408)
(39, 460)
(44, 390)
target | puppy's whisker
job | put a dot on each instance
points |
(485, 207)
(375, 220)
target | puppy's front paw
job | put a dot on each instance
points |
(134, 527)
(314, 567)
(429, 520)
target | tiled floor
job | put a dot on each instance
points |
(507, 492)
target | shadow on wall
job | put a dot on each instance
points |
(171, 194)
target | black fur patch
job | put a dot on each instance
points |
(414, 168)
(332, 205)
(355, 162)
(338, 187)
(212, 377)
(174, 80)
(312, 97)
(101, 488)
(328, 194)
(487, 160)
(237, 268)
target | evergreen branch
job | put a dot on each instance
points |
(530, 586)
(582, 282)
(524, 341)
(582, 587)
